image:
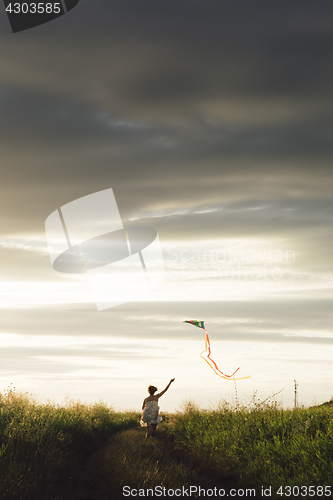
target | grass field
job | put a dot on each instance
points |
(42, 446)
(260, 447)
(91, 452)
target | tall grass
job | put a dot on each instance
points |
(260, 446)
(41, 445)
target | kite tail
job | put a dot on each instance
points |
(215, 368)
(208, 359)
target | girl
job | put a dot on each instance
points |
(150, 407)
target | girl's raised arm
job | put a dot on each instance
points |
(167, 387)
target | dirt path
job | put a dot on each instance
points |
(128, 460)
(84, 484)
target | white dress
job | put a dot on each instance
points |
(150, 414)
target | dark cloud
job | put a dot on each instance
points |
(252, 323)
(69, 359)
(271, 320)
(173, 104)
(181, 107)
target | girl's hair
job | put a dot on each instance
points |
(152, 389)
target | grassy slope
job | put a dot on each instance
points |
(43, 447)
(262, 447)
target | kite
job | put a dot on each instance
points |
(207, 352)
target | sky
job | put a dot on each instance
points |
(212, 122)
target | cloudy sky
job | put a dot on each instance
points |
(212, 123)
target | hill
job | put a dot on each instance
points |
(80, 451)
